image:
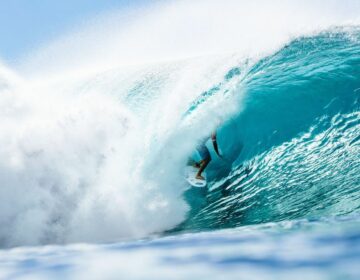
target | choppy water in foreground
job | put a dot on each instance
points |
(300, 249)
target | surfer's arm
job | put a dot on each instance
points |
(214, 141)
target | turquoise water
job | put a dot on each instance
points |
(294, 148)
(105, 195)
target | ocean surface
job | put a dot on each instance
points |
(91, 166)
(311, 249)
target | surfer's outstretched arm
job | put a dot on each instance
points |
(214, 141)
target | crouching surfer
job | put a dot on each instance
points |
(205, 154)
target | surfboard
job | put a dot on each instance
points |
(190, 174)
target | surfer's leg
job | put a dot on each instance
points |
(203, 165)
(205, 159)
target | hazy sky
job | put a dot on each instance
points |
(55, 33)
(24, 24)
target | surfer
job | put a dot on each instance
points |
(205, 154)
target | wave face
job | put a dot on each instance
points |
(299, 137)
(99, 155)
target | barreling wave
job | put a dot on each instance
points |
(294, 148)
(98, 156)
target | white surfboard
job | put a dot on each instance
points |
(190, 176)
